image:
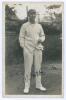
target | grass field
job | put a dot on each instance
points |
(51, 79)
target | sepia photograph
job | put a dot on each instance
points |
(33, 49)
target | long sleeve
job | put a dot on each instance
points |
(42, 35)
(22, 36)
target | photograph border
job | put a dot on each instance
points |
(3, 57)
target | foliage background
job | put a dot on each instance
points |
(52, 25)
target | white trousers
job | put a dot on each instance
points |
(28, 61)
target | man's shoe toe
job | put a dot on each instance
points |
(26, 90)
(41, 88)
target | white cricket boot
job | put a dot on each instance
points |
(27, 85)
(38, 84)
(41, 88)
(26, 90)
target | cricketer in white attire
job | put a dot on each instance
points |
(29, 36)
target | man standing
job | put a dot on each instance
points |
(31, 37)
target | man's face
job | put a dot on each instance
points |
(32, 16)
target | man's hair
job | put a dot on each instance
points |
(31, 11)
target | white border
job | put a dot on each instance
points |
(1, 52)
